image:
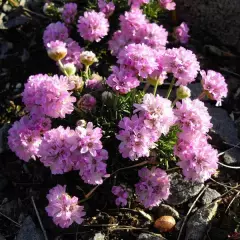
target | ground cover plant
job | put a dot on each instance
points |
(99, 123)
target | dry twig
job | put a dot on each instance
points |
(17, 224)
(236, 195)
(39, 219)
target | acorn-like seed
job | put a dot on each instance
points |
(165, 223)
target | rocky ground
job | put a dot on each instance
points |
(202, 211)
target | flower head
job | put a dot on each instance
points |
(153, 187)
(168, 4)
(49, 96)
(140, 58)
(122, 195)
(25, 136)
(88, 58)
(96, 82)
(86, 103)
(183, 92)
(55, 31)
(215, 86)
(181, 33)
(56, 50)
(137, 3)
(69, 12)
(106, 8)
(122, 80)
(93, 26)
(62, 208)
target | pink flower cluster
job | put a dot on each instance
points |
(137, 3)
(55, 31)
(181, 33)
(138, 57)
(135, 28)
(182, 63)
(153, 187)
(49, 96)
(168, 4)
(106, 8)
(122, 80)
(139, 133)
(215, 85)
(25, 136)
(122, 195)
(64, 150)
(197, 158)
(93, 26)
(69, 12)
(64, 209)
(73, 53)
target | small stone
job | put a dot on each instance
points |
(232, 156)
(165, 210)
(147, 236)
(19, 85)
(99, 236)
(181, 190)
(223, 126)
(29, 231)
(199, 222)
(210, 195)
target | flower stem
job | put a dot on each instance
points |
(174, 102)
(86, 71)
(62, 68)
(146, 87)
(170, 87)
(155, 88)
(201, 96)
(116, 101)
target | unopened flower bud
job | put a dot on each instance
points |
(183, 92)
(88, 58)
(157, 78)
(48, 8)
(78, 81)
(81, 123)
(69, 68)
(86, 103)
(56, 50)
(107, 97)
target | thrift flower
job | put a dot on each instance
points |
(137, 3)
(122, 80)
(153, 187)
(88, 58)
(62, 208)
(93, 26)
(121, 194)
(215, 85)
(86, 103)
(168, 4)
(106, 8)
(181, 33)
(56, 50)
(55, 31)
(69, 12)
(45, 95)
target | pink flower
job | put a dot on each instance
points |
(55, 31)
(136, 139)
(122, 80)
(215, 86)
(95, 83)
(137, 3)
(122, 195)
(139, 58)
(193, 116)
(158, 113)
(106, 8)
(86, 103)
(131, 22)
(181, 33)
(93, 26)
(62, 208)
(152, 35)
(25, 136)
(168, 4)
(118, 41)
(56, 50)
(49, 96)
(182, 63)
(153, 187)
(73, 53)
(57, 149)
(69, 12)
(198, 159)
